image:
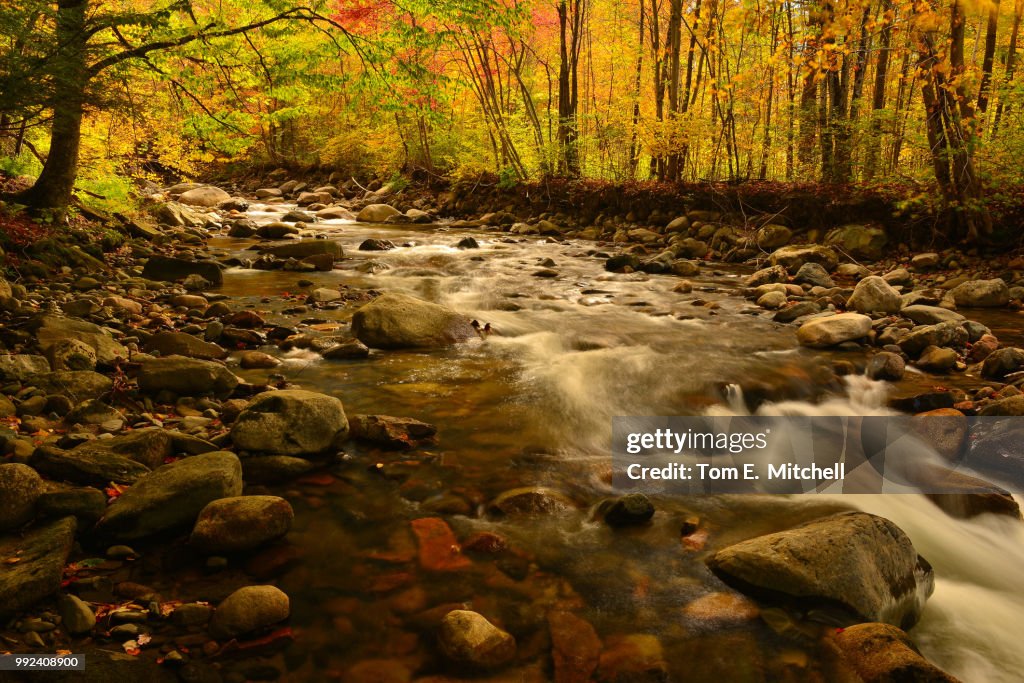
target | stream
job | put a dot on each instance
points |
(530, 406)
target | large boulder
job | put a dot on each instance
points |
(183, 344)
(930, 315)
(179, 216)
(304, 248)
(89, 467)
(232, 525)
(468, 638)
(1002, 362)
(376, 213)
(859, 566)
(873, 294)
(19, 367)
(168, 269)
(186, 377)
(981, 293)
(77, 385)
(290, 422)
(53, 329)
(866, 242)
(249, 609)
(796, 255)
(172, 496)
(42, 554)
(950, 334)
(150, 446)
(882, 653)
(772, 236)
(20, 487)
(208, 196)
(396, 321)
(834, 329)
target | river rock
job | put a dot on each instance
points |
(866, 242)
(150, 446)
(950, 334)
(51, 329)
(575, 647)
(167, 269)
(862, 563)
(42, 554)
(797, 310)
(925, 261)
(347, 350)
(1012, 406)
(76, 616)
(930, 315)
(89, 467)
(981, 293)
(290, 422)
(243, 229)
(20, 487)
(396, 321)
(469, 638)
(1002, 362)
(172, 496)
(249, 609)
(767, 276)
(620, 262)
(19, 367)
(276, 230)
(208, 196)
(85, 503)
(937, 359)
(232, 525)
(268, 192)
(794, 256)
(886, 365)
(304, 249)
(376, 213)
(186, 377)
(874, 294)
(71, 354)
(630, 510)
(531, 501)
(633, 657)
(772, 236)
(334, 213)
(254, 360)
(813, 274)
(398, 433)
(882, 653)
(178, 215)
(77, 385)
(182, 344)
(772, 300)
(833, 330)
(373, 244)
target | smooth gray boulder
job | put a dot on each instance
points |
(397, 321)
(186, 377)
(834, 329)
(290, 422)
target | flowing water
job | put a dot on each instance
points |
(531, 405)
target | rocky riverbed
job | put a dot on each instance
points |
(309, 434)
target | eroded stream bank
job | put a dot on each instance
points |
(385, 543)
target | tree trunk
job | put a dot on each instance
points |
(53, 188)
(1011, 62)
(634, 143)
(878, 97)
(990, 53)
(675, 42)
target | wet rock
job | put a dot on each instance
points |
(865, 242)
(981, 294)
(304, 249)
(249, 609)
(334, 213)
(1007, 407)
(922, 402)
(186, 377)
(794, 256)
(438, 547)
(813, 274)
(172, 496)
(71, 354)
(395, 321)
(232, 525)
(376, 245)
(376, 213)
(930, 315)
(324, 295)
(51, 329)
(268, 192)
(772, 300)
(255, 360)
(181, 344)
(620, 262)
(42, 554)
(243, 229)
(77, 385)
(874, 294)
(85, 504)
(150, 446)
(276, 230)
(92, 468)
(721, 608)
(925, 261)
(886, 365)
(862, 563)
(576, 647)
(76, 616)
(468, 638)
(348, 350)
(167, 269)
(936, 359)
(773, 236)
(634, 657)
(399, 433)
(833, 330)
(20, 367)
(767, 276)
(1001, 363)
(179, 216)
(274, 469)
(630, 510)
(950, 334)
(291, 422)
(882, 653)
(468, 243)
(208, 196)
(20, 487)
(798, 310)
(531, 501)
